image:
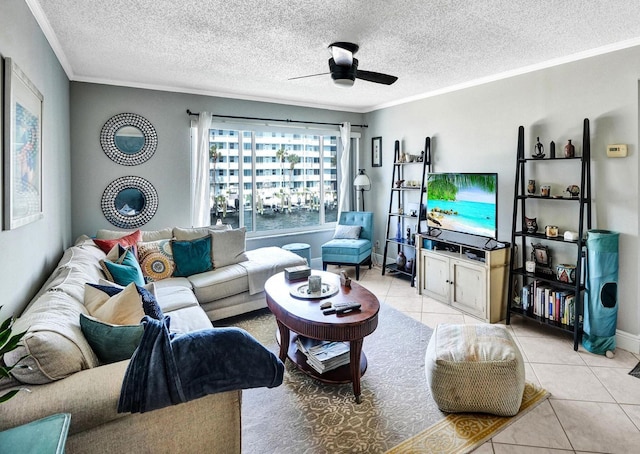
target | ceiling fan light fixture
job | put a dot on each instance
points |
(344, 83)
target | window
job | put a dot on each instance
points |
(273, 180)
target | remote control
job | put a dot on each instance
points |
(348, 308)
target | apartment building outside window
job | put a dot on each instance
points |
(273, 180)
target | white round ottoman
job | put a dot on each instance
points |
(475, 368)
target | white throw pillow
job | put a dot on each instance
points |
(347, 232)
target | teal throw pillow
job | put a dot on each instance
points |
(111, 343)
(192, 257)
(125, 271)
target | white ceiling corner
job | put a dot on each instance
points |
(249, 49)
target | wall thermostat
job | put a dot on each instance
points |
(617, 150)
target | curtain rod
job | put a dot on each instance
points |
(197, 114)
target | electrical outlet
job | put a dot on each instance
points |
(377, 245)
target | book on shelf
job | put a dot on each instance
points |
(543, 300)
(324, 356)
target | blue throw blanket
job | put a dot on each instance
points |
(166, 371)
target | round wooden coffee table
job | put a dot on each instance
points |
(298, 316)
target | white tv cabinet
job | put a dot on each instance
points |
(466, 272)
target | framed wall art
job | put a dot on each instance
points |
(22, 166)
(376, 152)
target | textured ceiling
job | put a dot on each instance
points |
(248, 49)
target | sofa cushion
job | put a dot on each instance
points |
(111, 342)
(124, 270)
(192, 256)
(228, 247)
(197, 232)
(171, 299)
(220, 283)
(189, 319)
(54, 341)
(156, 260)
(128, 240)
(147, 235)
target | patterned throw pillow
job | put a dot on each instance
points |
(156, 260)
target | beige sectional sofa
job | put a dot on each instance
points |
(65, 375)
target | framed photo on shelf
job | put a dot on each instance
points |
(376, 152)
(22, 165)
(542, 256)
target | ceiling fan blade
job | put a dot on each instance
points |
(309, 75)
(378, 78)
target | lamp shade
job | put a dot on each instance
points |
(362, 181)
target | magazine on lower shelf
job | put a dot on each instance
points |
(325, 355)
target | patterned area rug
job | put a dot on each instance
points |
(305, 416)
(635, 372)
(463, 432)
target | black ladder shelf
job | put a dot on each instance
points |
(396, 236)
(542, 278)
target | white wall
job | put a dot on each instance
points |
(29, 253)
(475, 130)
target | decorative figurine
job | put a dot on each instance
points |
(399, 183)
(345, 280)
(539, 149)
(408, 235)
(409, 265)
(531, 187)
(552, 150)
(569, 150)
(421, 157)
(574, 190)
(531, 224)
(401, 260)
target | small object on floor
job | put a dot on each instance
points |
(635, 372)
(609, 354)
(325, 305)
(345, 280)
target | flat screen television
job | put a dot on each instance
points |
(463, 202)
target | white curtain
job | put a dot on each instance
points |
(200, 190)
(345, 169)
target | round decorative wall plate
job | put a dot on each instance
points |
(128, 139)
(129, 202)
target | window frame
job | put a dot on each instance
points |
(245, 133)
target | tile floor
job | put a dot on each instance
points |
(594, 405)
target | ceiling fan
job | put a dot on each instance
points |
(343, 67)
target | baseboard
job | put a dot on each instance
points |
(628, 342)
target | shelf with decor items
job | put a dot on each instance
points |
(538, 290)
(406, 209)
(466, 272)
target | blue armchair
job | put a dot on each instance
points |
(345, 248)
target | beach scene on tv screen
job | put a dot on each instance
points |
(463, 203)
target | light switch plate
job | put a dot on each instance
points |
(617, 150)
